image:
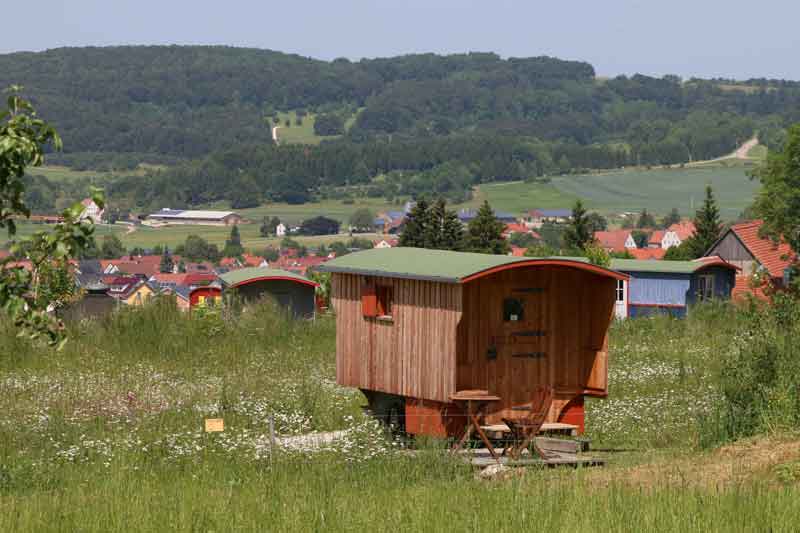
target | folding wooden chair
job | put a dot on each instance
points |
(523, 430)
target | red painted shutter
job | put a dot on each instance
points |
(369, 300)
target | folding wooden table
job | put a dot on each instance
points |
(474, 402)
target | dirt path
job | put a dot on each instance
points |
(739, 153)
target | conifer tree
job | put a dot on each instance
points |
(415, 225)
(672, 218)
(443, 230)
(707, 226)
(578, 234)
(233, 246)
(452, 231)
(167, 265)
(485, 233)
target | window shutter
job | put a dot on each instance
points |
(369, 299)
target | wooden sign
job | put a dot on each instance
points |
(214, 425)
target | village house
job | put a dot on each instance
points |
(389, 222)
(742, 246)
(91, 211)
(670, 287)
(131, 290)
(280, 230)
(672, 236)
(517, 228)
(466, 215)
(615, 241)
(385, 243)
(536, 217)
(200, 218)
(143, 265)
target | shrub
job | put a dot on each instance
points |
(758, 380)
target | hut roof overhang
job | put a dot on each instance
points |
(244, 276)
(445, 266)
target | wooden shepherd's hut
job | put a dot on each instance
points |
(416, 326)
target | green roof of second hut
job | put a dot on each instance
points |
(246, 275)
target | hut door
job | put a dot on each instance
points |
(522, 362)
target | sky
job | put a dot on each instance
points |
(704, 38)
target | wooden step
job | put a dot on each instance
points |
(498, 431)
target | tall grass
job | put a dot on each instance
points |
(759, 378)
(107, 435)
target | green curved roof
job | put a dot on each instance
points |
(434, 265)
(667, 267)
(250, 274)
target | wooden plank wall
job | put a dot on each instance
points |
(412, 355)
(574, 308)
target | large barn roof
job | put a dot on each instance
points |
(189, 214)
(443, 266)
(243, 276)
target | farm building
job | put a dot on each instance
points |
(742, 246)
(201, 218)
(289, 290)
(536, 217)
(670, 286)
(415, 326)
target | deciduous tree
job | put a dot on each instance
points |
(778, 201)
(23, 139)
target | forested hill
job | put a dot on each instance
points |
(179, 100)
(422, 123)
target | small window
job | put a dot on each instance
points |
(705, 287)
(513, 310)
(620, 290)
(384, 300)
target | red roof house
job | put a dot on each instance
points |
(514, 227)
(615, 241)
(744, 247)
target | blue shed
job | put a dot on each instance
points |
(671, 286)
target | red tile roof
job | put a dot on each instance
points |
(774, 257)
(176, 279)
(199, 279)
(683, 229)
(516, 251)
(252, 260)
(647, 253)
(612, 240)
(656, 237)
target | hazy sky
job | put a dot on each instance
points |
(705, 38)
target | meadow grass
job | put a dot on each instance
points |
(660, 190)
(106, 435)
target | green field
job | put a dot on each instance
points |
(304, 133)
(660, 190)
(59, 173)
(171, 236)
(106, 435)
